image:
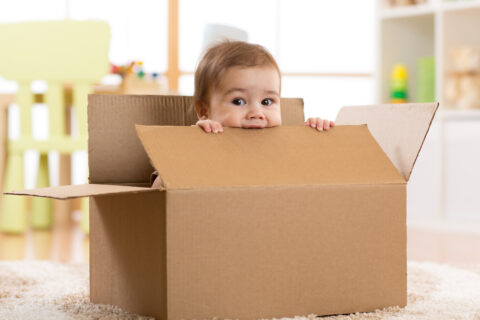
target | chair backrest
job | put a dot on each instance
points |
(54, 50)
(60, 52)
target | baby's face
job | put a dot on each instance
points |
(247, 98)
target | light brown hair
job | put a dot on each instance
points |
(218, 58)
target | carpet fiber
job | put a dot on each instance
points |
(45, 290)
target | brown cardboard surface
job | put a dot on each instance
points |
(285, 251)
(292, 111)
(115, 153)
(400, 129)
(81, 190)
(128, 252)
(187, 157)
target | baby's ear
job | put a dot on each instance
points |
(202, 110)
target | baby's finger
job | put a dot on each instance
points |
(319, 124)
(213, 126)
(205, 126)
(326, 124)
(332, 124)
(216, 127)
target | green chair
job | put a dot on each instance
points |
(61, 53)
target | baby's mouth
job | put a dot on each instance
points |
(254, 125)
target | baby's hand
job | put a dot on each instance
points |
(320, 124)
(210, 125)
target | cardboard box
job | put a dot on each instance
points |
(248, 223)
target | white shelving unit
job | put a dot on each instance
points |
(431, 29)
(445, 184)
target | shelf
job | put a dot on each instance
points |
(470, 226)
(428, 9)
(458, 115)
(460, 5)
(406, 12)
(404, 41)
(447, 170)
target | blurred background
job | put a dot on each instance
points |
(331, 53)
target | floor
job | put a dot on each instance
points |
(67, 243)
(443, 246)
(64, 242)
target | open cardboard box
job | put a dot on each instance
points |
(248, 223)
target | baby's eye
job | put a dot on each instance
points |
(267, 102)
(238, 101)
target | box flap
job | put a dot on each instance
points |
(115, 153)
(81, 190)
(400, 129)
(187, 157)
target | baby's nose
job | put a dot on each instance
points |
(255, 114)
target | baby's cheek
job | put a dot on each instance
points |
(275, 118)
(232, 119)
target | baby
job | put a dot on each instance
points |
(237, 84)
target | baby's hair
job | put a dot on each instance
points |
(222, 56)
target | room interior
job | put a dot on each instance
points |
(389, 52)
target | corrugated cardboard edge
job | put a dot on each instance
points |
(382, 127)
(82, 190)
(437, 104)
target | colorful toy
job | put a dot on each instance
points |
(134, 67)
(136, 81)
(399, 84)
(401, 3)
(426, 79)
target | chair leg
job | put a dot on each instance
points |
(42, 208)
(85, 223)
(14, 208)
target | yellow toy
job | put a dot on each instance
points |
(398, 93)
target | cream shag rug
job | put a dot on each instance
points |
(45, 290)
